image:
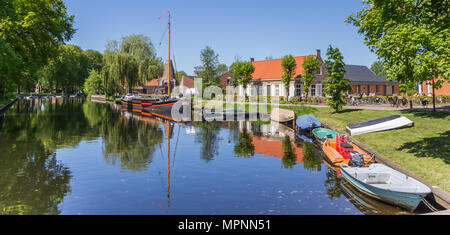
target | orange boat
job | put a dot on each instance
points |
(341, 151)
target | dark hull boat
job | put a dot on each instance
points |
(152, 105)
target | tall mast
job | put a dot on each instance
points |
(168, 62)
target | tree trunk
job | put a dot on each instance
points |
(434, 99)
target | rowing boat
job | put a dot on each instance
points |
(323, 134)
(386, 184)
(381, 124)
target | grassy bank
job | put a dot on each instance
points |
(424, 149)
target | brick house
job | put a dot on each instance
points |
(364, 81)
(268, 74)
(426, 89)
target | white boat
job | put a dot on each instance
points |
(382, 124)
(386, 184)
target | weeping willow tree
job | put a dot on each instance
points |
(129, 63)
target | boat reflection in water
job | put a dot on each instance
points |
(71, 156)
(266, 139)
(367, 205)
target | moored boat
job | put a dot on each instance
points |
(282, 115)
(341, 151)
(386, 184)
(308, 122)
(323, 134)
(381, 124)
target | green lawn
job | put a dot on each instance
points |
(423, 149)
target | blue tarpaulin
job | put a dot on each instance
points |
(308, 122)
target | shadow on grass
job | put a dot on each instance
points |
(435, 147)
(350, 110)
(429, 114)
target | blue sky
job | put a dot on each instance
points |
(247, 28)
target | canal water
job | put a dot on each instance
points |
(70, 156)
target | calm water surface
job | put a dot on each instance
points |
(69, 156)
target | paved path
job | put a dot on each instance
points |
(366, 107)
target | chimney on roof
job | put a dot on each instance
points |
(252, 60)
(318, 53)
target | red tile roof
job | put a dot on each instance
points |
(272, 69)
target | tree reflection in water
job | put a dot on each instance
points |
(244, 146)
(208, 137)
(311, 158)
(32, 181)
(289, 159)
(332, 184)
(129, 142)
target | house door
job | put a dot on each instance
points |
(389, 90)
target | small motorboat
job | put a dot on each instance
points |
(341, 151)
(386, 184)
(308, 122)
(323, 134)
(381, 124)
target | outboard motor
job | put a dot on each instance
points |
(356, 159)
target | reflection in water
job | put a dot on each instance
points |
(366, 204)
(289, 158)
(33, 180)
(128, 142)
(312, 159)
(244, 146)
(332, 184)
(208, 137)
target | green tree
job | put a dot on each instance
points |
(411, 37)
(244, 73)
(335, 84)
(67, 71)
(129, 63)
(222, 68)
(378, 68)
(208, 70)
(93, 84)
(8, 58)
(310, 66)
(289, 66)
(94, 60)
(179, 75)
(234, 75)
(33, 30)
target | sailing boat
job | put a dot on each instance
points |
(161, 105)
